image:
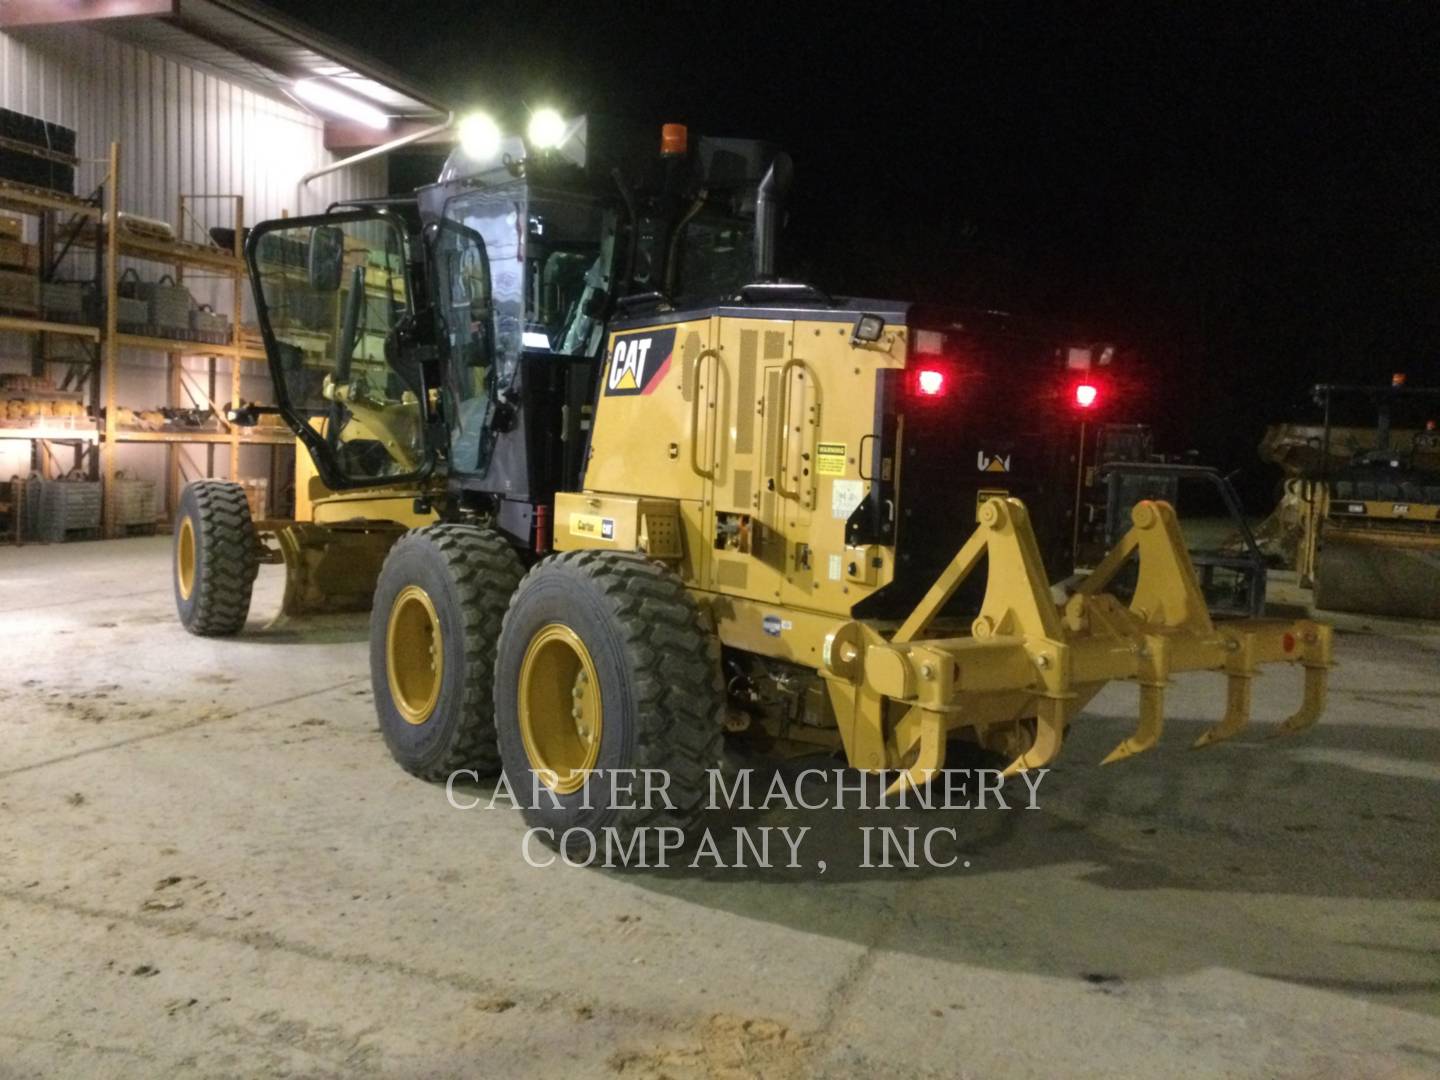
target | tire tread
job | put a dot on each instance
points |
(679, 689)
(227, 558)
(485, 571)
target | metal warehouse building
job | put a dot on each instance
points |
(119, 347)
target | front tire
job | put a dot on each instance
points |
(216, 558)
(606, 664)
(433, 630)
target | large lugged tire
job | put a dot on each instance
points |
(606, 664)
(216, 557)
(433, 629)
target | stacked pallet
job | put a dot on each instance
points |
(19, 270)
(37, 152)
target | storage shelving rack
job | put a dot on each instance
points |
(47, 207)
(96, 217)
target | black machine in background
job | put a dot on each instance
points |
(1122, 468)
(1233, 581)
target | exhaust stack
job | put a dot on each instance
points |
(769, 200)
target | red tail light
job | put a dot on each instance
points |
(930, 382)
(1086, 395)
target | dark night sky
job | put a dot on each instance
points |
(1251, 197)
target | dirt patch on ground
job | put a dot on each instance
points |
(727, 1048)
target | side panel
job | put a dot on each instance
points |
(645, 439)
(829, 393)
(744, 515)
(797, 417)
(757, 430)
(653, 430)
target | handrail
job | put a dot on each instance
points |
(700, 358)
(782, 444)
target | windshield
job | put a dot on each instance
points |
(516, 270)
(569, 262)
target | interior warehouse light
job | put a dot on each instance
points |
(479, 136)
(324, 96)
(547, 129)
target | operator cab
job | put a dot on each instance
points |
(459, 333)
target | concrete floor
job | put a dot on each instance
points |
(209, 866)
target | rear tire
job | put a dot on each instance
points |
(433, 630)
(216, 557)
(660, 697)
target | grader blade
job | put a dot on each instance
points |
(1028, 659)
(332, 569)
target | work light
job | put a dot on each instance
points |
(479, 136)
(546, 130)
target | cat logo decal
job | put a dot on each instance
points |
(639, 361)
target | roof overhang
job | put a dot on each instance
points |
(249, 43)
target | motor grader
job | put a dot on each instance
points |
(665, 494)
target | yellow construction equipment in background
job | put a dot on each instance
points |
(1359, 518)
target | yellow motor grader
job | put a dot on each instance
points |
(669, 494)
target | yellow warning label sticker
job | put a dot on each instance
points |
(830, 459)
(593, 526)
(984, 495)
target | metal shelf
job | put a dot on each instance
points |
(89, 435)
(21, 324)
(170, 252)
(25, 199)
(279, 438)
(177, 346)
(113, 244)
(94, 435)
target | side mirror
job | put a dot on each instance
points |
(327, 258)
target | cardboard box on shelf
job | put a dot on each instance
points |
(15, 255)
(19, 292)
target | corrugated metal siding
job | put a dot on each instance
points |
(181, 130)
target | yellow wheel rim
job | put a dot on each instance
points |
(185, 558)
(414, 657)
(561, 715)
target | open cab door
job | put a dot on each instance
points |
(337, 314)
